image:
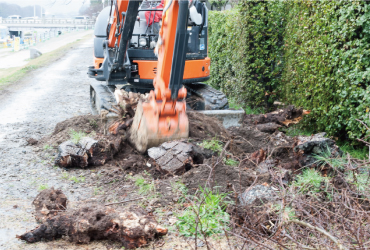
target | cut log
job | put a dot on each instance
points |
(71, 155)
(88, 152)
(132, 227)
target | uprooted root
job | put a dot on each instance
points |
(132, 227)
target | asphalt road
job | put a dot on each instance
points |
(31, 108)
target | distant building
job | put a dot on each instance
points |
(14, 17)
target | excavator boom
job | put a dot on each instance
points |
(164, 117)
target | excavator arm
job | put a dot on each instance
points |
(164, 117)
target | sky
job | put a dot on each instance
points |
(53, 7)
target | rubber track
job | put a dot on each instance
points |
(213, 98)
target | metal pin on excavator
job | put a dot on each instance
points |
(124, 56)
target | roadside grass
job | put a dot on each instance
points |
(12, 75)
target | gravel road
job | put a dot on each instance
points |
(31, 108)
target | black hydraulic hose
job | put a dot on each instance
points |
(110, 14)
(203, 20)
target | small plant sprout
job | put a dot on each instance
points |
(214, 145)
(65, 176)
(43, 187)
(145, 187)
(361, 181)
(230, 162)
(77, 179)
(76, 136)
(288, 213)
(93, 123)
(205, 217)
(47, 147)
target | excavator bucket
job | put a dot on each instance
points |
(150, 129)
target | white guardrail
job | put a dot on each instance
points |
(48, 21)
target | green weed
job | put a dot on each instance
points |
(77, 179)
(65, 176)
(326, 158)
(179, 189)
(361, 181)
(214, 145)
(145, 187)
(43, 187)
(309, 181)
(47, 147)
(231, 162)
(93, 123)
(208, 211)
(288, 213)
(75, 136)
(98, 190)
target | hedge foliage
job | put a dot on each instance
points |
(313, 54)
(245, 47)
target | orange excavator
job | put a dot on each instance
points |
(136, 51)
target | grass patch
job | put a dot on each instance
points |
(12, 75)
(76, 136)
(214, 145)
(206, 216)
(47, 147)
(358, 152)
(296, 131)
(248, 110)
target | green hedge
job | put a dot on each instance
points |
(313, 54)
(245, 47)
(327, 63)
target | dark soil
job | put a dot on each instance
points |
(205, 127)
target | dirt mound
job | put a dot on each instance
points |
(224, 178)
(247, 139)
(205, 127)
(85, 123)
